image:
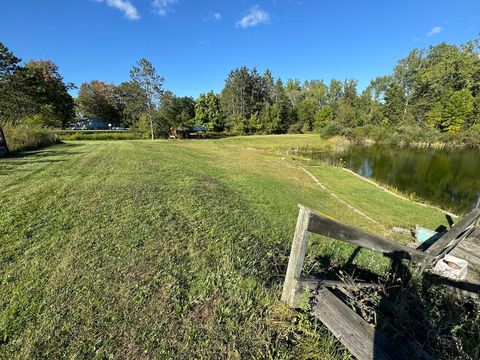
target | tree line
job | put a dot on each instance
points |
(434, 90)
(33, 93)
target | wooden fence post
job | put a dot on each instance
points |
(297, 256)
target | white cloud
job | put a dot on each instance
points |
(254, 17)
(162, 7)
(125, 6)
(217, 16)
(435, 30)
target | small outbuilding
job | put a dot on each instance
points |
(182, 132)
(199, 129)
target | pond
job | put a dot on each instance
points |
(448, 178)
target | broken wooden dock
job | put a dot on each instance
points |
(359, 337)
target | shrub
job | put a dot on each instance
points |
(472, 136)
(141, 128)
(295, 128)
(468, 137)
(409, 134)
(24, 137)
(332, 129)
(237, 125)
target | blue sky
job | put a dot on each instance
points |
(194, 44)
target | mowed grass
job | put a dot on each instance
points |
(367, 198)
(169, 249)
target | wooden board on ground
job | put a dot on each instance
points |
(359, 337)
(469, 249)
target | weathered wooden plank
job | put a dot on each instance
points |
(359, 337)
(322, 225)
(296, 259)
(472, 242)
(314, 283)
(470, 247)
(450, 239)
(473, 260)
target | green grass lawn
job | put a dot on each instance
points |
(141, 249)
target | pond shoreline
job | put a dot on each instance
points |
(399, 195)
(443, 177)
(438, 145)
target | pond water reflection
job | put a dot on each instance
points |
(449, 178)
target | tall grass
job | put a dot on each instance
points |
(101, 136)
(24, 137)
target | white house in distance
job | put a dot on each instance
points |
(92, 123)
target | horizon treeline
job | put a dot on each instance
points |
(430, 91)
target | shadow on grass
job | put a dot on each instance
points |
(45, 156)
(416, 315)
(65, 149)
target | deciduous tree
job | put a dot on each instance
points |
(208, 111)
(98, 98)
(458, 111)
(146, 78)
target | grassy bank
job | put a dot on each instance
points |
(97, 135)
(408, 136)
(171, 249)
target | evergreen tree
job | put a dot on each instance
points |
(268, 86)
(8, 62)
(270, 119)
(243, 94)
(255, 125)
(394, 103)
(283, 108)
